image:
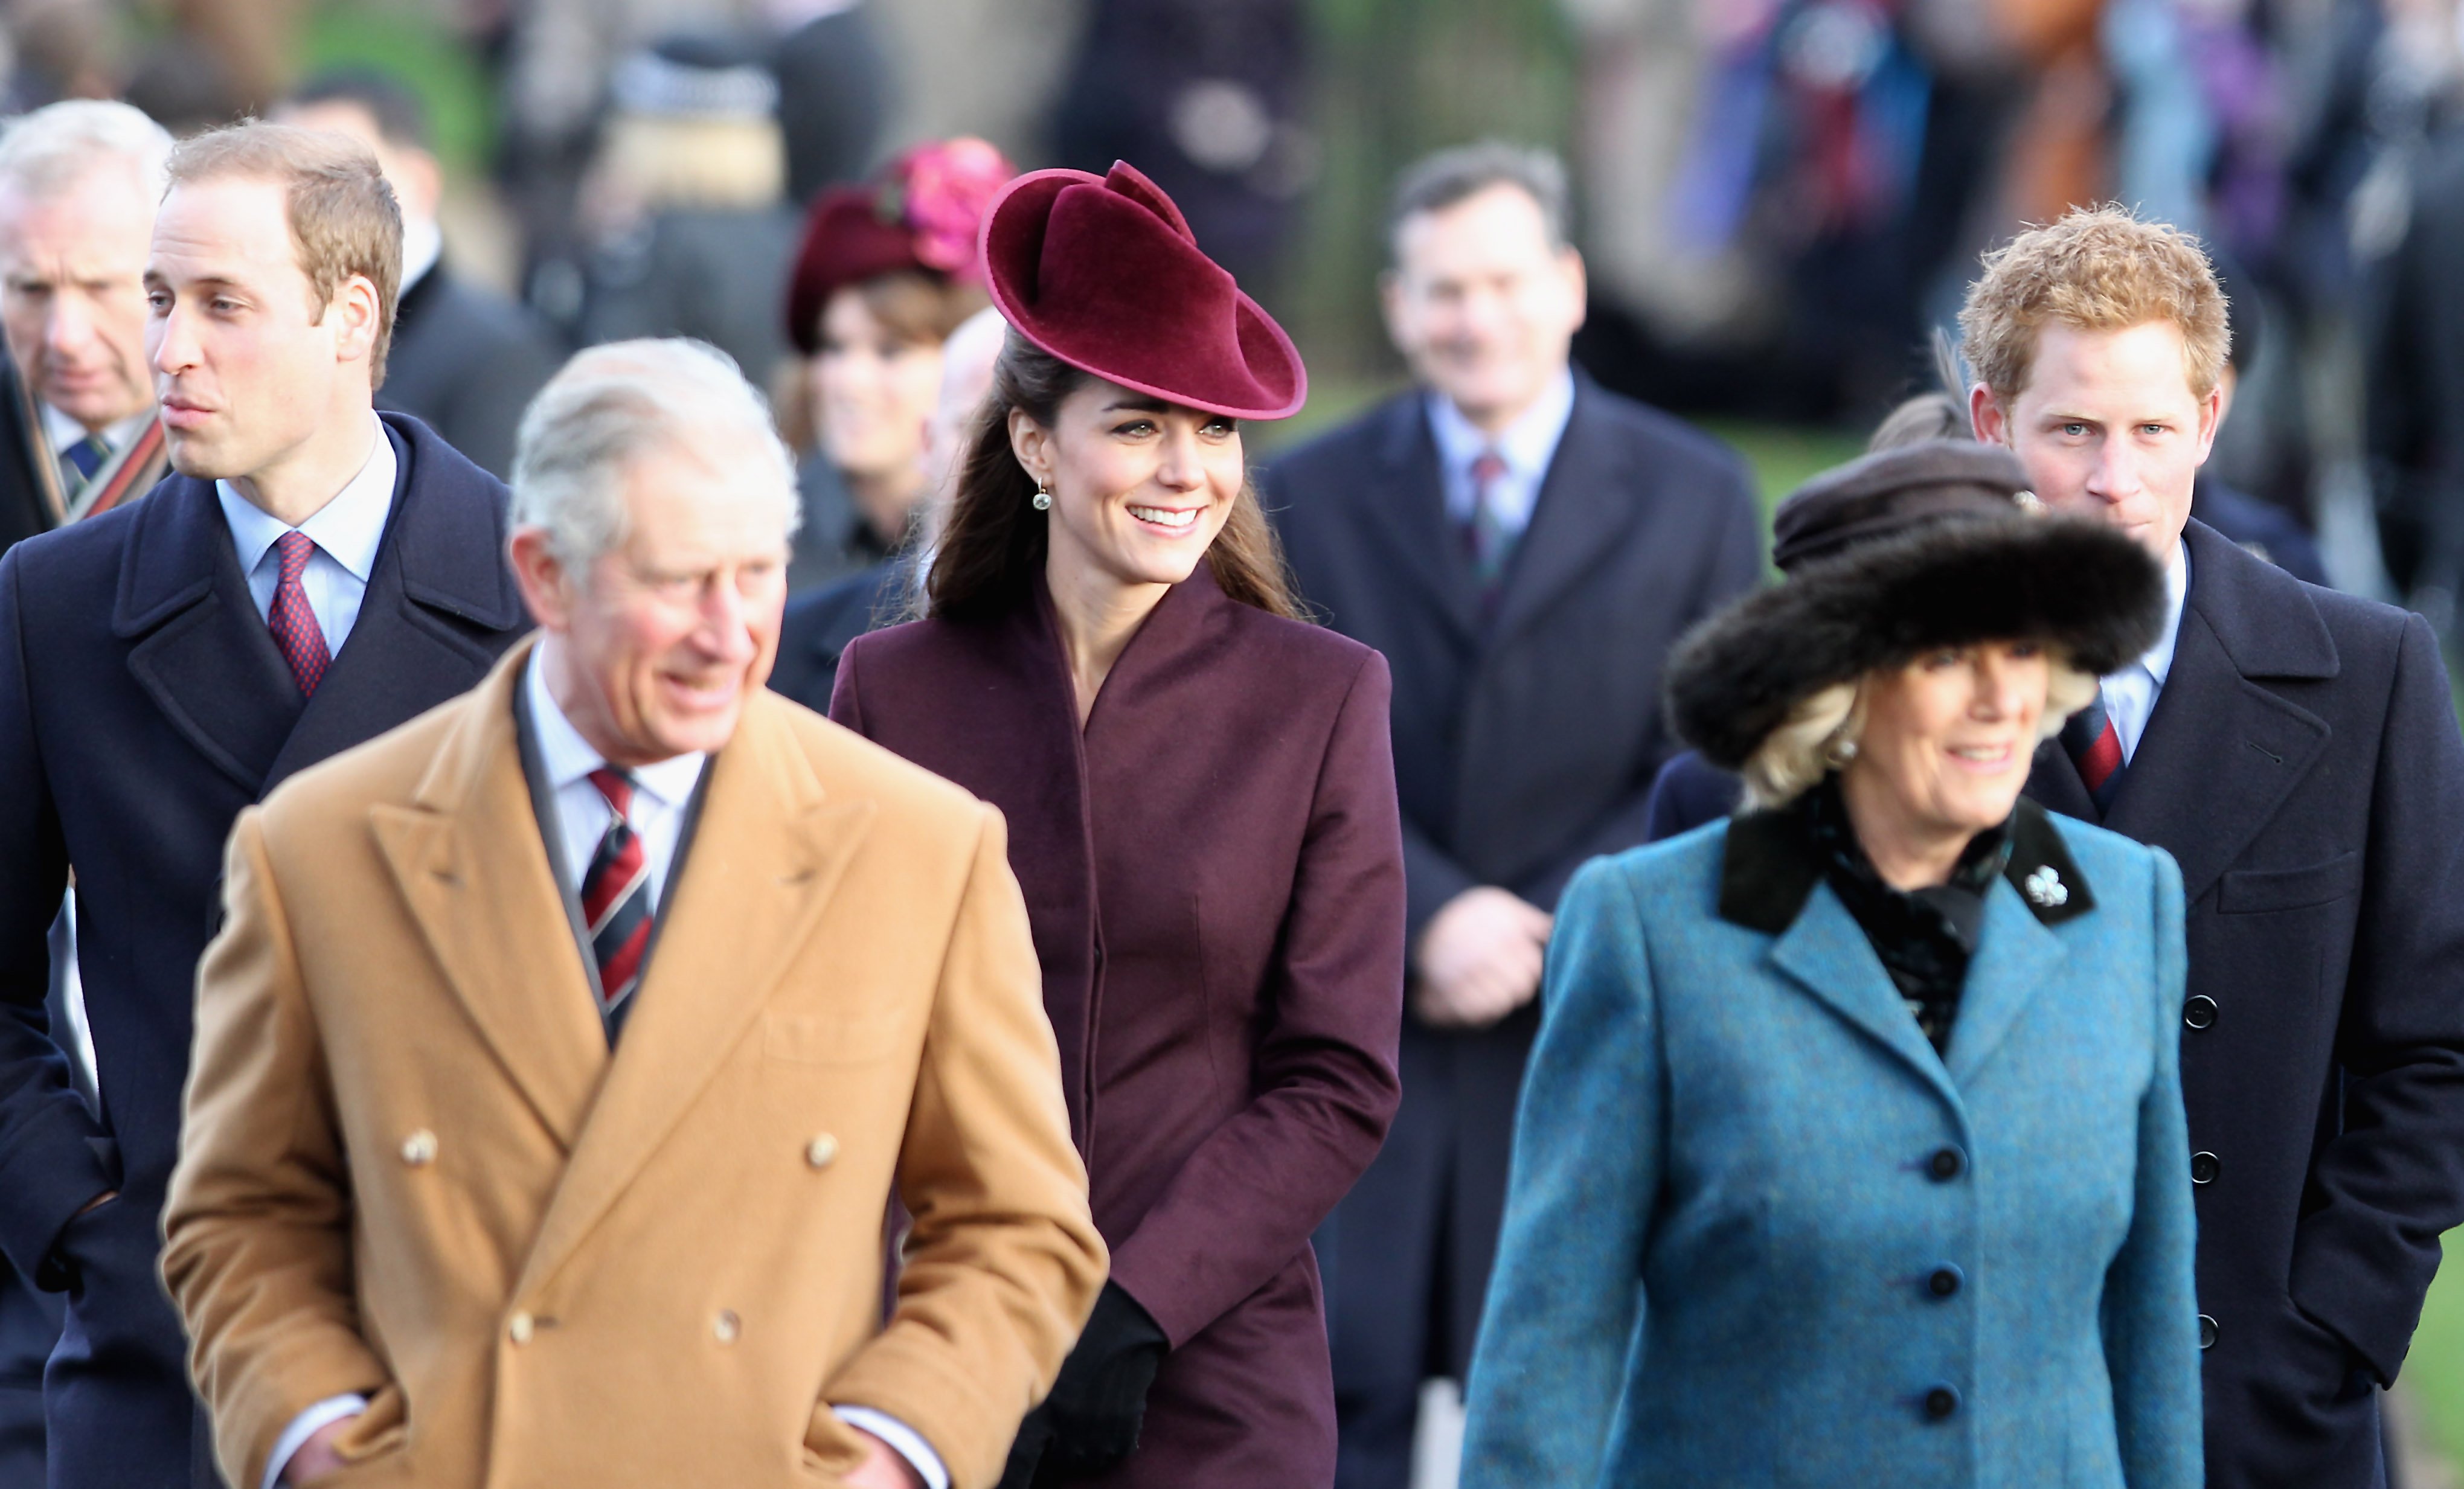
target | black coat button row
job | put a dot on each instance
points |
(1941, 1403)
(2199, 1011)
(2204, 1167)
(2207, 1332)
(1947, 1164)
(1944, 1281)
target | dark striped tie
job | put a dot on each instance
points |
(616, 896)
(2096, 748)
(86, 457)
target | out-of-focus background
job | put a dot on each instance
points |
(1779, 200)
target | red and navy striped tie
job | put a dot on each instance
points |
(616, 896)
(2095, 747)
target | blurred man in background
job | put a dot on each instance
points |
(78, 187)
(465, 359)
(1524, 547)
(78, 435)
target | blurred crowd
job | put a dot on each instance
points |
(1779, 200)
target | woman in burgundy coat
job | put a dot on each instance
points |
(1201, 802)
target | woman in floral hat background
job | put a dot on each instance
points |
(886, 271)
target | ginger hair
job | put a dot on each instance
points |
(2097, 269)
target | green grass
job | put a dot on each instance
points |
(2434, 1371)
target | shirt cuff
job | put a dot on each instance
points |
(304, 1426)
(903, 1440)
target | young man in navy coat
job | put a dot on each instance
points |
(1524, 547)
(2295, 751)
(310, 577)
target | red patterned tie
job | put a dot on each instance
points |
(616, 896)
(295, 624)
(2095, 747)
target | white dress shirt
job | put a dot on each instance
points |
(346, 531)
(657, 812)
(2130, 694)
(1527, 446)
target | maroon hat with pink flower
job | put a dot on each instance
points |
(1103, 272)
(923, 213)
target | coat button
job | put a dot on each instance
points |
(1941, 1402)
(1945, 1281)
(2204, 1167)
(2199, 1011)
(822, 1151)
(518, 1328)
(2207, 1332)
(1947, 1164)
(726, 1326)
(419, 1148)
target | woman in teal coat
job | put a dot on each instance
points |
(1852, 1149)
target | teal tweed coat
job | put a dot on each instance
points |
(1759, 1233)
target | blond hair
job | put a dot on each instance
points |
(344, 220)
(1820, 733)
(2098, 269)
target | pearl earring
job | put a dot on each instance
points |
(1043, 497)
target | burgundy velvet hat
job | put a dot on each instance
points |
(923, 213)
(1104, 273)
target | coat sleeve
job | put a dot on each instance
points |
(257, 1224)
(1549, 1370)
(54, 1157)
(1732, 564)
(2393, 1182)
(1003, 1262)
(847, 702)
(2150, 1310)
(1243, 1204)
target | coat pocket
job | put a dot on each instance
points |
(846, 1037)
(2251, 892)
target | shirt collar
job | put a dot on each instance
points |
(64, 431)
(1527, 446)
(2159, 659)
(348, 529)
(423, 244)
(567, 757)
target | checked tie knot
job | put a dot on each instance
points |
(293, 549)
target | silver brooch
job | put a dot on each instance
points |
(2045, 888)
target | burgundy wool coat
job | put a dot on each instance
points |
(1214, 872)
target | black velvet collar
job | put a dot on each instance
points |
(1771, 864)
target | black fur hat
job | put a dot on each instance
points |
(2083, 589)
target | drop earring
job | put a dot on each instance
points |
(1043, 497)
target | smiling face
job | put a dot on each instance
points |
(248, 368)
(1139, 486)
(1482, 305)
(2108, 428)
(658, 644)
(72, 292)
(1948, 739)
(874, 392)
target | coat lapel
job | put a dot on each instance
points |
(2054, 784)
(2221, 753)
(1408, 513)
(767, 856)
(1826, 950)
(200, 650)
(438, 565)
(2015, 956)
(1585, 505)
(474, 870)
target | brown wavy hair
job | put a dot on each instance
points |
(993, 542)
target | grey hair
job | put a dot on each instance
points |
(616, 402)
(55, 146)
(1821, 732)
(1437, 182)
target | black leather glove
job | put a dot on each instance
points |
(1090, 1421)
